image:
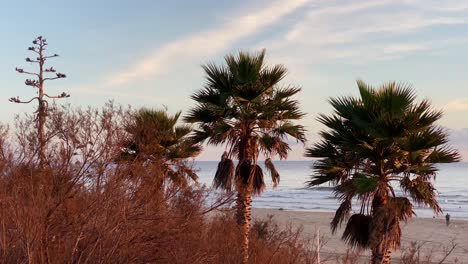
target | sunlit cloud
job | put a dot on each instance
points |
(206, 42)
(370, 30)
(457, 105)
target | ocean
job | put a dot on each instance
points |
(293, 194)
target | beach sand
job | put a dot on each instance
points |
(431, 233)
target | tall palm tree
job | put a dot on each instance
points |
(154, 135)
(379, 141)
(242, 107)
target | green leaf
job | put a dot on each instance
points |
(365, 184)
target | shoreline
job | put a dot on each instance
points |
(441, 217)
(431, 234)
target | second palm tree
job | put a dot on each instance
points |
(242, 107)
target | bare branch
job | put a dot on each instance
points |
(59, 76)
(448, 251)
(18, 101)
(19, 70)
(51, 56)
(62, 95)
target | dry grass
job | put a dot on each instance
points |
(88, 208)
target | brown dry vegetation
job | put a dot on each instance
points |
(89, 206)
(85, 207)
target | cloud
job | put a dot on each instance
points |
(458, 138)
(358, 21)
(356, 31)
(457, 105)
(206, 42)
(299, 29)
(370, 30)
(449, 5)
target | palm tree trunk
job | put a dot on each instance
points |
(380, 233)
(240, 208)
(244, 216)
(387, 259)
(379, 257)
(244, 196)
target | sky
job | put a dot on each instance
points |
(149, 53)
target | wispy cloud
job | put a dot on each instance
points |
(371, 30)
(206, 42)
(358, 21)
(316, 13)
(447, 5)
(457, 105)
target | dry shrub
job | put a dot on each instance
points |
(416, 254)
(350, 257)
(87, 207)
(221, 242)
(271, 244)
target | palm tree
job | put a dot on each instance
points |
(154, 135)
(242, 108)
(377, 142)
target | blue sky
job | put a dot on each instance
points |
(148, 53)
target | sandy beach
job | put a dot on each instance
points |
(434, 237)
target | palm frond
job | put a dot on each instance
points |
(367, 93)
(322, 149)
(224, 174)
(218, 78)
(273, 75)
(422, 115)
(356, 233)
(421, 191)
(273, 145)
(340, 215)
(364, 184)
(402, 207)
(328, 170)
(286, 92)
(426, 139)
(443, 155)
(287, 128)
(395, 99)
(204, 114)
(243, 172)
(275, 176)
(258, 182)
